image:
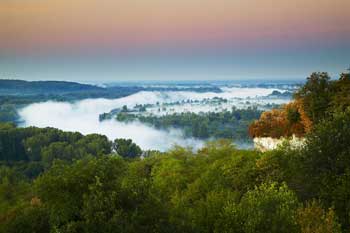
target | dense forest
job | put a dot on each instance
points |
(55, 181)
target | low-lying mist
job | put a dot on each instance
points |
(83, 116)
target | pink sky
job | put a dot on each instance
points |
(59, 24)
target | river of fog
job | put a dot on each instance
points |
(83, 116)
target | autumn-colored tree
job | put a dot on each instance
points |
(285, 122)
(304, 119)
(270, 124)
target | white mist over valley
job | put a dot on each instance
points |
(83, 116)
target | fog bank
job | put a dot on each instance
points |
(83, 117)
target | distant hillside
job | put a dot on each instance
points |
(73, 91)
(13, 87)
(60, 90)
(15, 94)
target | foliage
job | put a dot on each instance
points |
(314, 219)
(216, 189)
(316, 95)
(126, 148)
(33, 148)
(341, 97)
(326, 161)
(285, 122)
(267, 208)
(85, 192)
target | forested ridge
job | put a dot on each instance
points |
(55, 181)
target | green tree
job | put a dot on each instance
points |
(326, 163)
(341, 98)
(126, 148)
(57, 150)
(267, 208)
(316, 95)
(71, 192)
(94, 144)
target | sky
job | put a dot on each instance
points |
(111, 40)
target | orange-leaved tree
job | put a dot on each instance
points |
(285, 122)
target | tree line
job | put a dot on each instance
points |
(229, 124)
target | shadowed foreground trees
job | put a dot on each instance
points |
(217, 189)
